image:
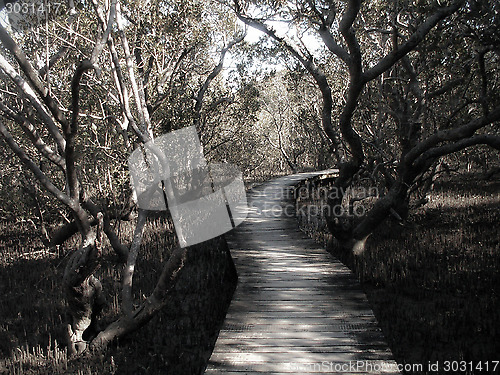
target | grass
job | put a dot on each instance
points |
(178, 340)
(434, 281)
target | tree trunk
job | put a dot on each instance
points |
(395, 203)
(85, 303)
(155, 302)
(83, 293)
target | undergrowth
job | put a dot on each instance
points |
(434, 280)
(32, 307)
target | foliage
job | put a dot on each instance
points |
(81, 90)
(403, 85)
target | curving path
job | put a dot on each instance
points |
(296, 309)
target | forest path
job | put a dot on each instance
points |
(296, 308)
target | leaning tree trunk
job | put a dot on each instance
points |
(394, 203)
(132, 320)
(85, 298)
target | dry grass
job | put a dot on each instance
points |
(434, 282)
(32, 308)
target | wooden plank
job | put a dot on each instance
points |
(312, 327)
(320, 364)
(295, 306)
(305, 356)
(346, 319)
(289, 334)
(250, 345)
(352, 348)
(252, 307)
(316, 299)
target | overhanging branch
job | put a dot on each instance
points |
(420, 33)
(451, 135)
(481, 139)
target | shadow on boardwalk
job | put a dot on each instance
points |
(296, 309)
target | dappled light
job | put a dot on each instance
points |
(294, 306)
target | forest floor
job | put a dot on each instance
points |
(32, 308)
(434, 280)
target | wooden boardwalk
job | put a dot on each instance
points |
(296, 309)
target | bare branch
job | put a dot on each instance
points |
(123, 92)
(53, 60)
(120, 249)
(70, 130)
(161, 84)
(120, 79)
(102, 42)
(128, 271)
(34, 136)
(349, 35)
(456, 134)
(138, 94)
(150, 306)
(215, 72)
(316, 11)
(484, 139)
(332, 45)
(419, 35)
(326, 35)
(169, 274)
(32, 97)
(446, 87)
